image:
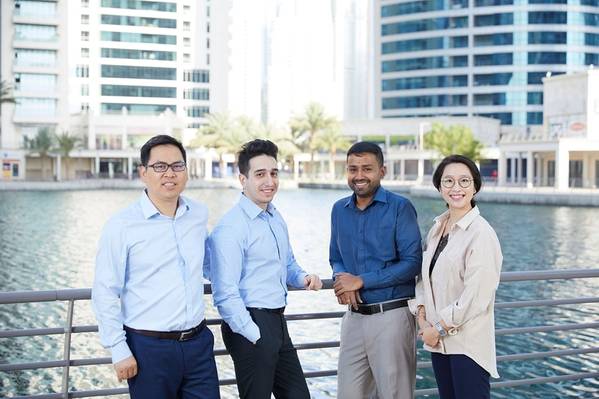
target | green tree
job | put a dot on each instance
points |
(224, 134)
(6, 93)
(331, 140)
(305, 127)
(65, 144)
(455, 139)
(41, 144)
(282, 138)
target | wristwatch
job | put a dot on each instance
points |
(440, 329)
(442, 332)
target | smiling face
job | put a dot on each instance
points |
(457, 197)
(364, 174)
(262, 180)
(163, 187)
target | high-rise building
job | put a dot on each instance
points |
(478, 57)
(113, 72)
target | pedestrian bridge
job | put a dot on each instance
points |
(73, 296)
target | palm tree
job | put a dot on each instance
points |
(222, 133)
(282, 138)
(66, 144)
(42, 143)
(6, 93)
(305, 127)
(331, 140)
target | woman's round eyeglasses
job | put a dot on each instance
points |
(449, 182)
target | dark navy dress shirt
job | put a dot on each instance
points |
(381, 244)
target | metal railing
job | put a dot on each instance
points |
(72, 295)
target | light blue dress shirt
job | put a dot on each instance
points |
(251, 264)
(149, 272)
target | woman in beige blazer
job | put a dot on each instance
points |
(455, 292)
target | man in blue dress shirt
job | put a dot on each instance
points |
(375, 253)
(251, 264)
(148, 289)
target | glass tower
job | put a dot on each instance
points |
(478, 57)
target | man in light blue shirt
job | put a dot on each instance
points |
(251, 264)
(148, 289)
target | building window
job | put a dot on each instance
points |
(546, 57)
(444, 100)
(425, 82)
(125, 71)
(494, 19)
(412, 64)
(496, 39)
(422, 25)
(197, 76)
(84, 36)
(493, 59)
(82, 71)
(186, 41)
(186, 57)
(547, 38)
(138, 91)
(196, 94)
(424, 44)
(492, 79)
(141, 5)
(35, 82)
(35, 9)
(534, 118)
(85, 90)
(504, 117)
(84, 3)
(137, 109)
(36, 33)
(35, 58)
(197, 111)
(486, 3)
(84, 52)
(138, 38)
(138, 54)
(84, 19)
(547, 17)
(138, 21)
(186, 25)
(534, 98)
(421, 6)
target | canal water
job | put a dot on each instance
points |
(48, 241)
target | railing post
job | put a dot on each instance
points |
(67, 349)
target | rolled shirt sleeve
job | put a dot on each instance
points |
(481, 279)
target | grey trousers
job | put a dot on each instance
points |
(377, 358)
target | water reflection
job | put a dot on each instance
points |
(48, 241)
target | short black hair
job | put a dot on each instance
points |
(253, 149)
(161, 139)
(362, 147)
(476, 178)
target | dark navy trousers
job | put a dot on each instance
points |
(460, 377)
(171, 369)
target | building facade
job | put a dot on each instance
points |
(478, 57)
(111, 72)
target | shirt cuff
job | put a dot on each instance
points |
(302, 281)
(446, 314)
(252, 332)
(413, 305)
(369, 280)
(120, 352)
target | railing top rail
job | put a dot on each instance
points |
(85, 293)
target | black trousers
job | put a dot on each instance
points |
(269, 366)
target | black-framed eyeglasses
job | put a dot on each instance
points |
(449, 182)
(161, 167)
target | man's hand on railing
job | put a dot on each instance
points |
(312, 282)
(126, 368)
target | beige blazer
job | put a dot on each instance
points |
(461, 289)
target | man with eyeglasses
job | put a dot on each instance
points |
(148, 288)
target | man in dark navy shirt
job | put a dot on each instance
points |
(375, 253)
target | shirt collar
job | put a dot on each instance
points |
(149, 209)
(253, 210)
(379, 196)
(464, 222)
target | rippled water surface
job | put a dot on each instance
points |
(48, 241)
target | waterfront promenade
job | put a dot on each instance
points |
(491, 193)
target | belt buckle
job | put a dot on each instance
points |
(186, 335)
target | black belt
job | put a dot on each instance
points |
(184, 335)
(277, 310)
(374, 308)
